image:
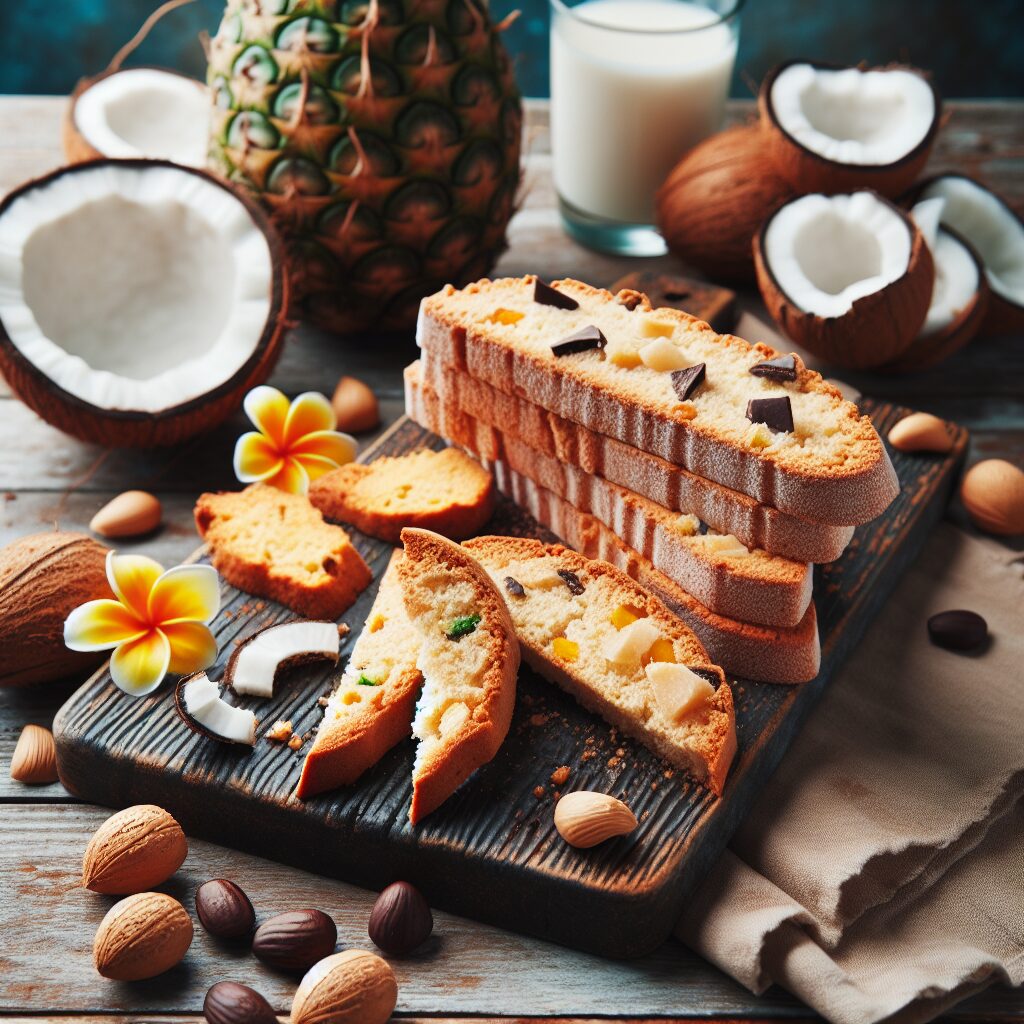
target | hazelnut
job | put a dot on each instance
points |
(355, 406)
(993, 494)
(224, 910)
(400, 920)
(295, 940)
(228, 1002)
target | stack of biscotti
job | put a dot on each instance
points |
(714, 470)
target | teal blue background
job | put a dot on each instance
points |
(973, 47)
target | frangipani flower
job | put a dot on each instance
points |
(293, 442)
(157, 624)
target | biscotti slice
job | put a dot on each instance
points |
(469, 658)
(715, 568)
(723, 509)
(275, 544)
(618, 650)
(665, 382)
(762, 653)
(372, 707)
(444, 491)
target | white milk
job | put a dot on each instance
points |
(625, 105)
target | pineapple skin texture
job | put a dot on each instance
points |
(384, 138)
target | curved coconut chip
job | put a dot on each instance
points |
(287, 647)
(199, 727)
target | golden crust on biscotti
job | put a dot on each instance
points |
(704, 743)
(832, 468)
(444, 491)
(263, 541)
(442, 583)
(719, 571)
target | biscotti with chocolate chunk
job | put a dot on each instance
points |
(274, 544)
(742, 415)
(715, 568)
(618, 650)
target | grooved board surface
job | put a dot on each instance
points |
(491, 852)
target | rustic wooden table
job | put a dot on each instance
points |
(469, 972)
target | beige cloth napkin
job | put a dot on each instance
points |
(881, 873)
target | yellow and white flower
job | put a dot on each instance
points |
(157, 623)
(294, 442)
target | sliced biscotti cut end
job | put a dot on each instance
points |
(371, 708)
(469, 658)
(275, 544)
(829, 465)
(592, 630)
(444, 491)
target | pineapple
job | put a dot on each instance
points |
(383, 136)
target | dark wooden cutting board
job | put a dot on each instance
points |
(491, 852)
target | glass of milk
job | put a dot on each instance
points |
(634, 85)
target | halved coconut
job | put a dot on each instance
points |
(139, 112)
(986, 223)
(139, 300)
(202, 708)
(256, 662)
(849, 277)
(959, 295)
(837, 129)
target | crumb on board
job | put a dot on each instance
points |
(588, 754)
(539, 791)
(279, 732)
(539, 719)
(343, 629)
(560, 776)
(296, 741)
(323, 701)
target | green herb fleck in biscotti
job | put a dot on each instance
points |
(366, 681)
(462, 626)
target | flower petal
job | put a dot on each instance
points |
(291, 477)
(268, 409)
(101, 625)
(255, 458)
(139, 666)
(186, 593)
(131, 577)
(193, 647)
(327, 444)
(315, 466)
(309, 414)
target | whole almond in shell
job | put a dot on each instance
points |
(921, 432)
(355, 406)
(130, 514)
(44, 577)
(993, 494)
(134, 850)
(141, 937)
(584, 818)
(35, 757)
(354, 987)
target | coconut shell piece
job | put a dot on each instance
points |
(715, 199)
(808, 171)
(876, 330)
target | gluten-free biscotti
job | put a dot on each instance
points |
(742, 415)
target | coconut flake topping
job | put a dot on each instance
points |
(259, 659)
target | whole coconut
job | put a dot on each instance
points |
(44, 577)
(714, 201)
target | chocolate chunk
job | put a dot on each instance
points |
(781, 368)
(774, 413)
(572, 581)
(957, 630)
(513, 586)
(686, 381)
(548, 296)
(583, 340)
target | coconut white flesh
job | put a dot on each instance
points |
(144, 112)
(862, 118)
(956, 273)
(205, 704)
(134, 288)
(258, 659)
(828, 251)
(996, 235)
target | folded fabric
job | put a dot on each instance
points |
(881, 874)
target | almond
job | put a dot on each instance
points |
(130, 514)
(35, 757)
(993, 494)
(354, 987)
(134, 850)
(141, 937)
(585, 818)
(921, 432)
(355, 406)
